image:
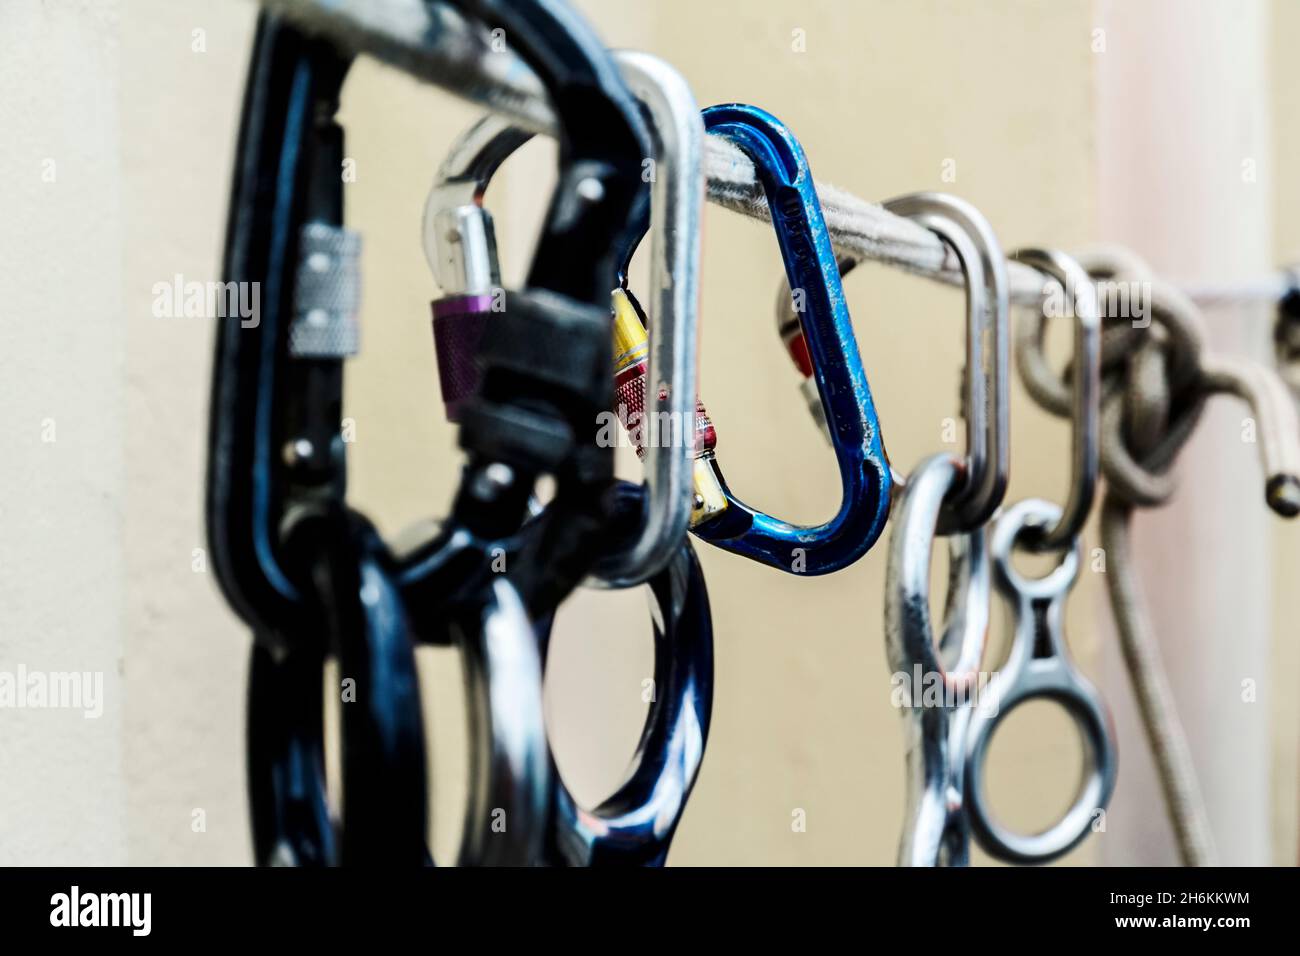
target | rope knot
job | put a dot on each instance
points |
(1157, 373)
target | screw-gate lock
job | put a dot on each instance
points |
(460, 246)
(631, 350)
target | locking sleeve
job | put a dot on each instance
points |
(327, 293)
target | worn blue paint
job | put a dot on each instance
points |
(850, 412)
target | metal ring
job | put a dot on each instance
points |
(1038, 669)
(635, 825)
(510, 765)
(1085, 384)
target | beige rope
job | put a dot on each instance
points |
(1155, 381)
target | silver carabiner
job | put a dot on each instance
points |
(461, 249)
(1085, 383)
(511, 774)
(935, 831)
(988, 438)
(986, 398)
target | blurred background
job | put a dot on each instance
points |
(1161, 124)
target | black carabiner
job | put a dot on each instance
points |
(361, 622)
(291, 558)
(635, 825)
(265, 404)
(546, 366)
(311, 578)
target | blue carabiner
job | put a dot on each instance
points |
(810, 266)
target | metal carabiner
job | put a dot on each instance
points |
(461, 248)
(635, 825)
(545, 360)
(276, 475)
(460, 245)
(1038, 665)
(936, 831)
(384, 802)
(358, 620)
(841, 382)
(307, 575)
(510, 769)
(382, 728)
(988, 448)
(276, 387)
(1085, 380)
(546, 375)
(947, 740)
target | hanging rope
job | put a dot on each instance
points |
(434, 43)
(1155, 381)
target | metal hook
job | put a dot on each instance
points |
(1178, 361)
(1278, 424)
(1085, 380)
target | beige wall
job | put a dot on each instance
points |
(1285, 87)
(63, 387)
(97, 552)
